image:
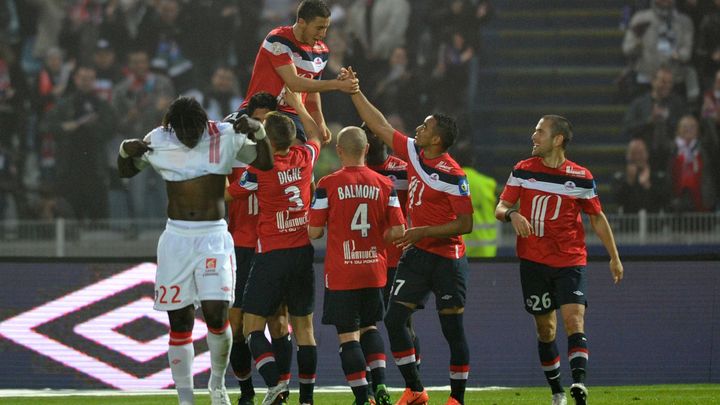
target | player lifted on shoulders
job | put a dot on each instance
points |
(295, 57)
(366, 215)
(439, 210)
(195, 252)
(552, 192)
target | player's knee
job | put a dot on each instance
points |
(397, 317)
(546, 333)
(278, 327)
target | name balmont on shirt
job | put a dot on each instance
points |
(358, 191)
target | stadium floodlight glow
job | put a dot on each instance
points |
(23, 330)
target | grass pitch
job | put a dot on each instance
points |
(686, 394)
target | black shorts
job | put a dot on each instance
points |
(282, 275)
(350, 310)
(419, 273)
(244, 257)
(391, 271)
(299, 128)
(546, 288)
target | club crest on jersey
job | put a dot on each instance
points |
(318, 61)
(210, 263)
(276, 48)
(464, 187)
(569, 185)
(571, 171)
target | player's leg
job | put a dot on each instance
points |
(449, 286)
(219, 340)
(300, 298)
(540, 303)
(371, 311)
(262, 299)
(181, 352)
(281, 341)
(571, 292)
(240, 357)
(412, 288)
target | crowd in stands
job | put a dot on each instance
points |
(77, 76)
(673, 118)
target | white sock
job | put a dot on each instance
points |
(219, 345)
(181, 359)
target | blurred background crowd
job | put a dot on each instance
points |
(77, 76)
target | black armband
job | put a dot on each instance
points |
(508, 213)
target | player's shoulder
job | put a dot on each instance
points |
(277, 33)
(158, 135)
(445, 164)
(394, 163)
(573, 169)
(529, 164)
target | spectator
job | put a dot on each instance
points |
(375, 29)
(168, 41)
(222, 97)
(711, 101)
(141, 100)
(89, 20)
(13, 94)
(639, 186)
(396, 91)
(654, 115)
(108, 71)
(337, 108)
(83, 124)
(10, 185)
(708, 44)
(451, 73)
(693, 180)
(661, 36)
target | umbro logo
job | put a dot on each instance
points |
(446, 297)
(578, 293)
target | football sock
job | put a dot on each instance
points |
(550, 363)
(264, 358)
(241, 362)
(452, 329)
(219, 341)
(181, 354)
(353, 364)
(283, 349)
(401, 344)
(374, 350)
(578, 356)
(307, 366)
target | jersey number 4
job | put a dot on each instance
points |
(360, 220)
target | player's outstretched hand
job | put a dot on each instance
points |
(135, 147)
(349, 82)
(292, 99)
(521, 225)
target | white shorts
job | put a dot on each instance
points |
(196, 262)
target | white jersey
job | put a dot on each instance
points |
(216, 153)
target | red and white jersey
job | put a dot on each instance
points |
(551, 199)
(216, 152)
(362, 205)
(395, 169)
(284, 198)
(280, 48)
(437, 193)
(242, 210)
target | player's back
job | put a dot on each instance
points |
(358, 203)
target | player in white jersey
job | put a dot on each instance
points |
(196, 262)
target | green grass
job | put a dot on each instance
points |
(655, 394)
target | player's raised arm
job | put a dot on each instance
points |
(312, 130)
(256, 132)
(301, 84)
(373, 118)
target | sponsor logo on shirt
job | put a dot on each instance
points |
(572, 171)
(210, 263)
(358, 256)
(443, 166)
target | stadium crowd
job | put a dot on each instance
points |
(78, 76)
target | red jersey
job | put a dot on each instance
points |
(284, 198)
(551, 199)
(242, 210)
(280, 48)
(437, 193)
(396, 170)
(362, 205)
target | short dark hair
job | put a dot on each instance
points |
(447, 128)
(309, 10)
(262, 99)
(560, 125)
(185, 112)
(280, 130)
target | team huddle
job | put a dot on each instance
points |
(393, 225)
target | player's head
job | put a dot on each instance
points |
(280, 130)
(187, 118)
(260, 104)
(551, 132)
(313, 20)
(352, 144)
(437, 129)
